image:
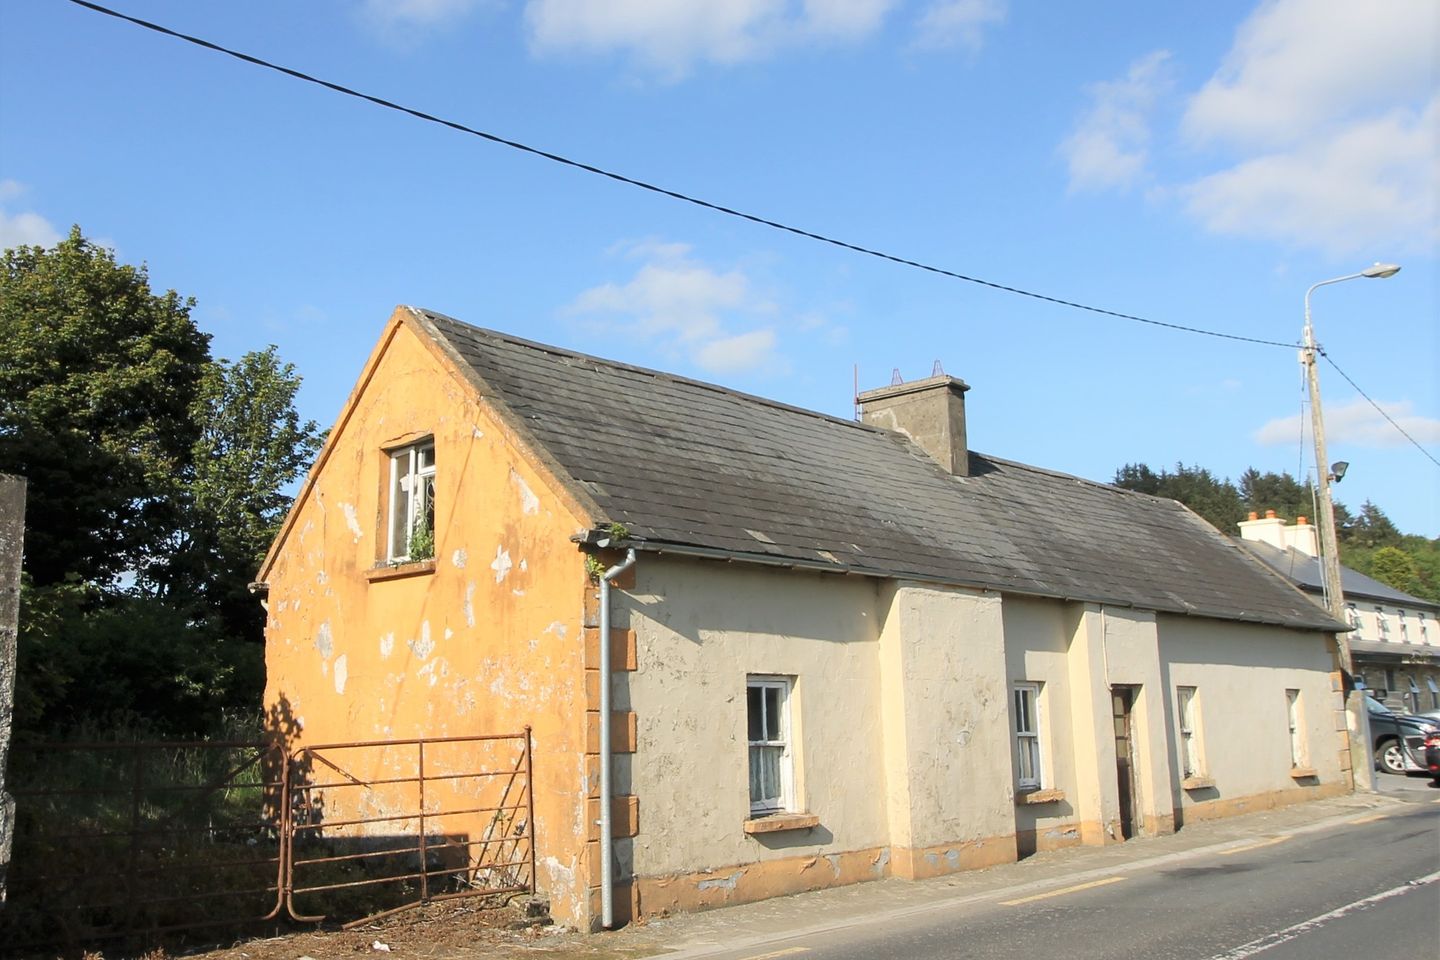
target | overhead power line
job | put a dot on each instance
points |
(663, 191)
(1381, 410)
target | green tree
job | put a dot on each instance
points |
(1395, 567)
(250, 450)
(97, 379)
(1216, 500)
(156, 480)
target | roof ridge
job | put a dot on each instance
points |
(648, 371)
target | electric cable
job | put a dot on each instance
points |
(1378, 408)
(663, 191)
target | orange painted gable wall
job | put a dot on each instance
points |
(487, 642)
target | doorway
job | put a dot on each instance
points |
(1122, 701)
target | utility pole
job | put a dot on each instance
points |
(1357, 716)
(12, 537)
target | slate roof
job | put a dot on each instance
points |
(1304, 571)
(695, 467)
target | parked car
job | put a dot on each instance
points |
(1398, 740)
(1432, 757)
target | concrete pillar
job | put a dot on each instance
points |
(949, 782)
(1098, 801)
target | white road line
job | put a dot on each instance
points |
(1315, 923)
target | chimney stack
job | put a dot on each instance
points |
(931, 412)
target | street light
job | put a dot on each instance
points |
(1329, 550)
(1358, 718)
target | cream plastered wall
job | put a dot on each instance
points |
(947, 746)
(1037, 644)
(701, 629)
(487, 642)
(1240, 673)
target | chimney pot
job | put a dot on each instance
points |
(1269, 514)
(1254, 515)
(1300, 521)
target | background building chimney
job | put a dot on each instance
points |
(931, 412)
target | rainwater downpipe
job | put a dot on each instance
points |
(607, 854)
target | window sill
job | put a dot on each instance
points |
(1303, 773)
(1040, 796)
(1197, 783)
(396, 571)
(775, 822)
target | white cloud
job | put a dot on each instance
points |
(1300, 65)
(1330, 111)
(416, 13)
(1357, 423)
(23, 229)
(672, 36)
(681, 303)
(950, 23)
(1110, 146)
(738, 354)
(1369, 188)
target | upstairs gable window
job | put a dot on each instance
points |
(412, 503)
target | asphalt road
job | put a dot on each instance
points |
(1368, 890)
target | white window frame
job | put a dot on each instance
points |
(1295, 716)
(1404, 628)
(1025, 727)
(784, 740)
(1382, 628)
(1187, 707)
(1412, 696)
(1352, 614)
(409, 473)
(1434, 692)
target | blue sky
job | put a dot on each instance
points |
(1199, 165)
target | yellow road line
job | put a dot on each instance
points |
(1370, 819)
(1061, 892)
(787, 952)
(1255, 846)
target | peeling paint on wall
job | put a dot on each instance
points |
(387, 645)
(323, 641)
(352, 520)
(342, 673)
(529, 503)
(470, 603)
(722, 883)
(425, 646)
(459, 558)
(501, 564)
(880, 866)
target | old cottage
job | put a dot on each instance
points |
(839, 650)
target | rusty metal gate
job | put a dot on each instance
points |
(146, 840)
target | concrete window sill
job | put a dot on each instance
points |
(1040, 796)
(1197, 783)
(396, 571)
(1303, 773)
(781, 821)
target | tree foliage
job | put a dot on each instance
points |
(157, 478)
(1369, 541)
(97, 381)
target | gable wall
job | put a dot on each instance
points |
(488, 642)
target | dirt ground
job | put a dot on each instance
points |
(454, 930)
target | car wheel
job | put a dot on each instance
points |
(1390, 757)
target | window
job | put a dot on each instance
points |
(1189, 711)
(1434, 692)
(1389, 680)
(1297, 730)
(1380, 624)
(1412, 699)
(1404, 628)
(1352, 614)
(1424, 631)
(772, 778)
(1027, 735)
(412, 503)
